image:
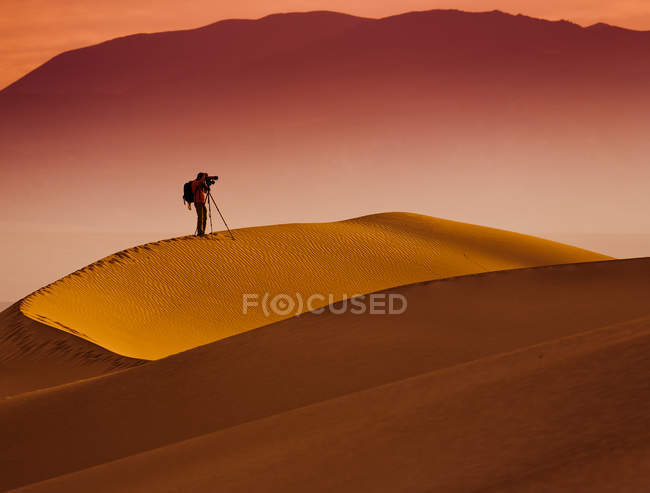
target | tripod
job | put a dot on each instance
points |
(210, 202)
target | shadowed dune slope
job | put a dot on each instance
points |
(476, 425)
(568, 415)
(166, 297)
(34, 356)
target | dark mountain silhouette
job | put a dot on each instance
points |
(137, 62)
(301, 47)
(441, 91)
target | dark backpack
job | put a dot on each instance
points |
(188, 196)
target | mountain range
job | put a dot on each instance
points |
(487, 117)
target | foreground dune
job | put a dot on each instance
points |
(575, 407)
(523, 379)
(166, 297)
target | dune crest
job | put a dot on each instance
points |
(169, 296)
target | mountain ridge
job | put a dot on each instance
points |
(310, 27)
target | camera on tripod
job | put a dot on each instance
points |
(209, 180)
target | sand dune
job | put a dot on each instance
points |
(487, 380)
(564, 406)
(162, 298)
(35, 356)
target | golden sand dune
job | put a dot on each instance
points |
(35, 356)
(498, 380)
(163, 298)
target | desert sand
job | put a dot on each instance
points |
(166, 297)
(35, 356)
(528, 379)
(520, 364)
(517, 379)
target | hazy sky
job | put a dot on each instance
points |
(32, 31)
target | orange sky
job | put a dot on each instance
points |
(32, 31)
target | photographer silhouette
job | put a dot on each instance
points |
(198, 192)
(199, 189)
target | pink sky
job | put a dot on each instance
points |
(33, 31)
(50, 235)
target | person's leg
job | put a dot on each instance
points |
(200, 212)
(204, 218)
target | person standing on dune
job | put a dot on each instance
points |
(199, 187)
